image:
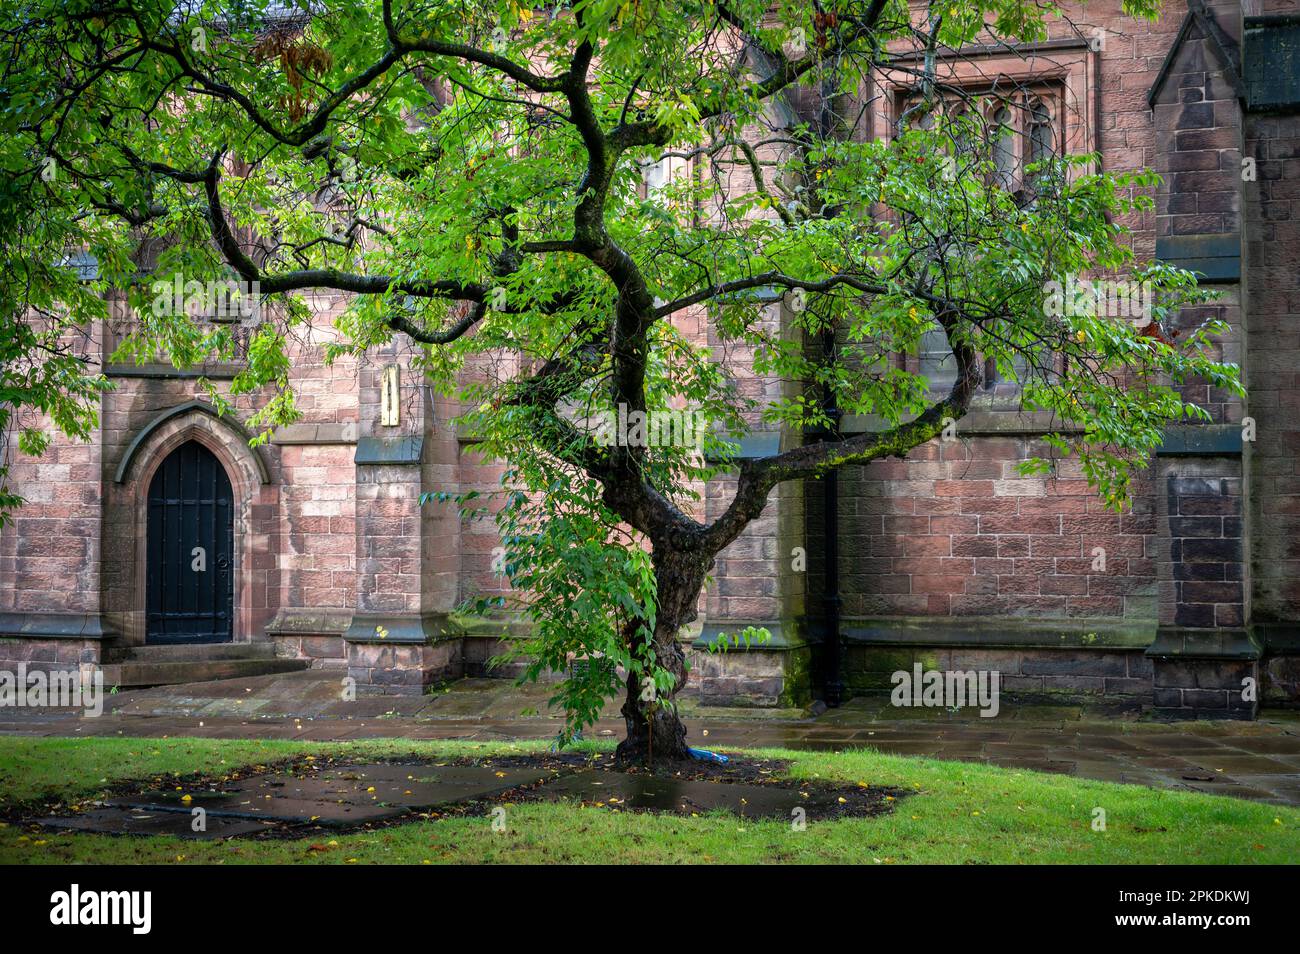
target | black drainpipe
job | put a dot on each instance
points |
(832, 652)
(830, 124)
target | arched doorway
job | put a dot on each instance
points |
(189, 563)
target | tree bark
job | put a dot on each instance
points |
(655, 732)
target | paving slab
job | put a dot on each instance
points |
(1285, 789)
(1098, 743)
(965, 749)
(1181, 745)
(1265, 745)
(981, 739)
(911, 747)
(1035, 765)
(1012, 750)
(1109, 771)
(1231, 763)
(1230, 789)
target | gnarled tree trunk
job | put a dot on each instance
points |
(655, 732)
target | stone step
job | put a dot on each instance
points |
(134, 674)
(189, 653)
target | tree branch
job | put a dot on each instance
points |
(759, 475)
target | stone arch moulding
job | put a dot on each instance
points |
(250, 482)
(143, 439)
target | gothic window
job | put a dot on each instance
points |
(1041, 132)
(1002, 145)
(937, 363)
(1018, 127)
(1014, 128)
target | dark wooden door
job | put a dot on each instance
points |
(190, 578)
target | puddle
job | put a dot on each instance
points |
(681, 796)
(132, 822)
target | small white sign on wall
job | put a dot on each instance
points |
(389, 416)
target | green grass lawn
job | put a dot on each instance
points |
(959, 813)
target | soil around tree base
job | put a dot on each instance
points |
(748, 787)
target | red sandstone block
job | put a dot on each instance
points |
(264, 561)
(1138, 524)
(1145, 568)
(1117, 585)
(1091, 524)
(1020, 523)
(927, 470)
(1013, 546)
(1230, 614)
(331, 543)
(981, 585)
(906, 525)
(1087, 606)
(963, 488)
(953, 565)
(1054, 546)
(747, 586)
(928, 451)
(744, 568)
(1017, 585)
(1122, 545)
(750, 608)
(891, 546)
(938, 604)
(938, 505)
(890, 470)
(928, 546)
(893, 583)
(326, 597)
(974, 546)
(886, 505)
(989, 505)
(308, 525)
(1038, 605)
(1063, 585)
(958, 524)
(1209, 592)
(1053, 505)
(978, 470)
(956, 450)
(1084, 567)
(981, 605)
(1001, 449)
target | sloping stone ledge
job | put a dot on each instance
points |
(54, 626)
(1204, 644)
(1046, 633)
(305, 622)
(398, 629)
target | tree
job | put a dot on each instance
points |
(44, 371)
(473, 173)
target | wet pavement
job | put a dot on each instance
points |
(1255, 760)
